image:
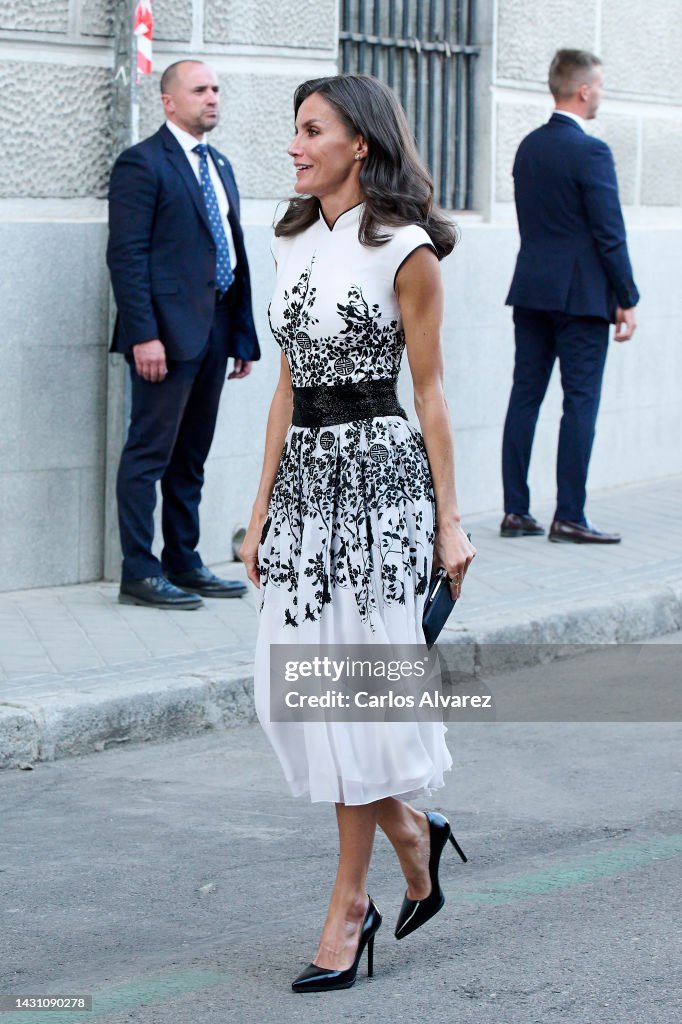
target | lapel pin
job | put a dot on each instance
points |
(221, 162)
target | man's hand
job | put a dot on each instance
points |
(150, 361)
(242, 368)
(625, 324)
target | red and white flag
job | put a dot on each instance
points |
(143, 27)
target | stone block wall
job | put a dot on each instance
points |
(256, 125)
(56, 381)
(56, 96)
(61, 146)
(641, 119)
(53, 296)
(172, 19)
(640, 116)
(254, 23)
(35, 15)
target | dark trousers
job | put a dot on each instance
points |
(170, 434)
(580, 343)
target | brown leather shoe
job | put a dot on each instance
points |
(574, 533)
(520, 526)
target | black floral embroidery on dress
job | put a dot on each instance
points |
(357, 517)
(352, 506)
(367, 347)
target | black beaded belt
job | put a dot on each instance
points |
(326, 405)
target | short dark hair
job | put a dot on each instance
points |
(569, 70)
(171, 73)
(396, 185)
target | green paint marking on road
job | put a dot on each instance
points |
(587, 869)
(148, 992)
(162, 988)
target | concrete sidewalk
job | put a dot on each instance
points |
(79, 672)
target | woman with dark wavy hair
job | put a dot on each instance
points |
(355, 506)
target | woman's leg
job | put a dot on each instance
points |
(348, 903)
(408, 832)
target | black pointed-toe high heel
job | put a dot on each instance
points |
(320, 979)
(414, 913)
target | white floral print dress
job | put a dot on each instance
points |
(345, 555)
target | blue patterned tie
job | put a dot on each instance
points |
(223, 271)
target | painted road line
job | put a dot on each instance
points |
(149, 991)
(580, 872)
(159, 989)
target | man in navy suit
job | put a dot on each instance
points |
(572, 279)
(181, 281)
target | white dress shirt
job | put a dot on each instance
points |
(188, 142)
(574, 117)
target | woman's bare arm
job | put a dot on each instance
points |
(279, 421)
(419, 290)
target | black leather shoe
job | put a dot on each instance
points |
(575, 533)
(321, 979)
(203, 581)
(520, 526)
(157, 592)
(414, 913)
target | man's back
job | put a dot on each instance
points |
(573, 255)
(572, 276)
(548, 174)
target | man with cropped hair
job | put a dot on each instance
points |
(181, 280)
(572, 279)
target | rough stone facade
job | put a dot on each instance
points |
(639, 45)
(256, 124)
(172, 19)
(56, 381)
(34, 15)
(529, 31)
(253, 23)
(55, 377)
(63, 149)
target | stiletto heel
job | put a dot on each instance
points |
(321, 979)
(414, 913)
(456, 845)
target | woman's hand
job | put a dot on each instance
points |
(248, 552)
(453, 550)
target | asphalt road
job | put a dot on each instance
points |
(180, 883)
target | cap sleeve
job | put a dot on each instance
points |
(404, 242)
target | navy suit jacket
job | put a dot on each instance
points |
(573, 257)
(162, 256)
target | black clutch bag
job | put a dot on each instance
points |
(439, 604)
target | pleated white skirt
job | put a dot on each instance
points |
(345, 558)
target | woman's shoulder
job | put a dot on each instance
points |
(402, 241)
(281, 245)
(285, 241)
(405, 233)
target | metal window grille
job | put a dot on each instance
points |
(424, 50)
